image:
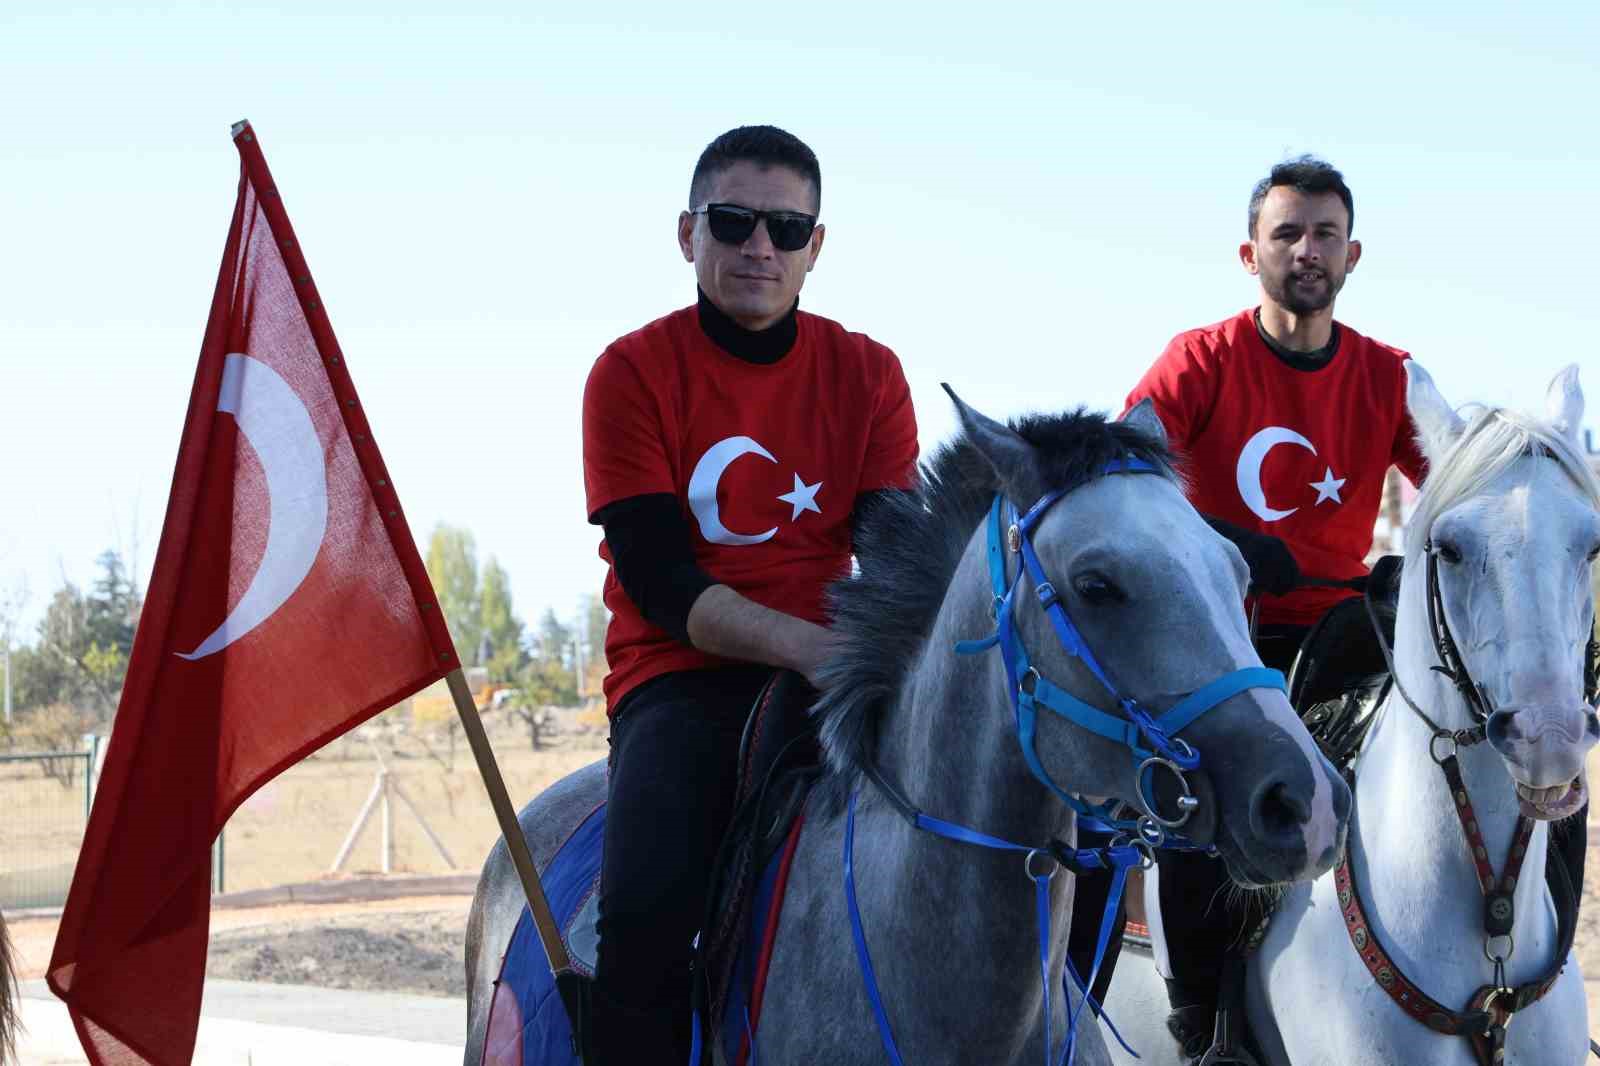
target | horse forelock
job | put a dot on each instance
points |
(908, 545)
(1494, 440)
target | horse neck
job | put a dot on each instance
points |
(951, 740)
(1413, 864)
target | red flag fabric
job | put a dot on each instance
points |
(287, 604)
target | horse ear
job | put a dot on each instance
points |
(1437, 423)
(1142, 416)
(1565, 404)
(1011, 456)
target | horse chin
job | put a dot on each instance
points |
(1552, 804)
(1241, 870)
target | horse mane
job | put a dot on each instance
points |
(908, 545)
(1495, 438)
(8, 997)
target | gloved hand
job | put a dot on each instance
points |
(1272, 566)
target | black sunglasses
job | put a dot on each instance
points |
(732, 224)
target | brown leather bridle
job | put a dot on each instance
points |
(1489, 1011)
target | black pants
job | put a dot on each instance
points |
(673, 772)
(1201, 914)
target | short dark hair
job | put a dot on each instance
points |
(1304, 174)
(766, 146)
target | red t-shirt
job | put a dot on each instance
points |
(766, 461)
(1299, 454)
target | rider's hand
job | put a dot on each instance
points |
(1272, 566)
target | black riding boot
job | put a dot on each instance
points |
(630, 1034)
(1192, 1027)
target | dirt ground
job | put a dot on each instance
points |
(417, 950)
(415, 945)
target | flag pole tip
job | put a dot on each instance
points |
(240, 126)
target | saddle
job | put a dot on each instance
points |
(779, 759)
(1340, 675)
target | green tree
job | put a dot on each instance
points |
(112, 606)
(81, 656)
(553, 643)
(453, 569)
(501, 628)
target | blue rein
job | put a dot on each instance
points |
(1117, 858)
(1151, 740)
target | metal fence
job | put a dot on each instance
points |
(44, 806)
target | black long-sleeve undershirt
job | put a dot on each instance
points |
(652, 552)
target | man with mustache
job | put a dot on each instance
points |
(1290, 421)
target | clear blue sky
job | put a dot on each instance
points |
(1025, 201)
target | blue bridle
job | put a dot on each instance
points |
(1151, 739)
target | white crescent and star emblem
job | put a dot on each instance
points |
(1248, 473)
(279, 428)
(707, 476)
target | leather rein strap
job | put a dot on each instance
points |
(1491, 1008)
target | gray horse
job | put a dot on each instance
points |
(952, 928)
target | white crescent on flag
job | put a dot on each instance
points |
(276, 423)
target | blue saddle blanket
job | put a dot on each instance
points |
(528, 1025)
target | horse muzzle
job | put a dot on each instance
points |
(1553, 804)
(1543, 745)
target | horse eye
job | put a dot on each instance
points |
(1448, 552)
(1096, 590)
(1594, 553)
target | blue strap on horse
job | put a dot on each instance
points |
(1146, 736)
(1117, 858)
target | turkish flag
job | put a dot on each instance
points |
(287, 605)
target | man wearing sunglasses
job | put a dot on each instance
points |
(728, 448)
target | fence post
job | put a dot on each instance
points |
(91, 749)
(218, 862)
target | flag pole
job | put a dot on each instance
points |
(569, 983)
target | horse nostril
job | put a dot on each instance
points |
(1502, 728)
(1279, 810)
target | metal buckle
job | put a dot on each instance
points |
(1433, 747)
(1027, 865)
(1488, 1009)
(1488, 948)
(1145, 846)
(1150, 831)
(1187, 804)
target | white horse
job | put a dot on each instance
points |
(1509, 522)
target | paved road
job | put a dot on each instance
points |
(249, 1024)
